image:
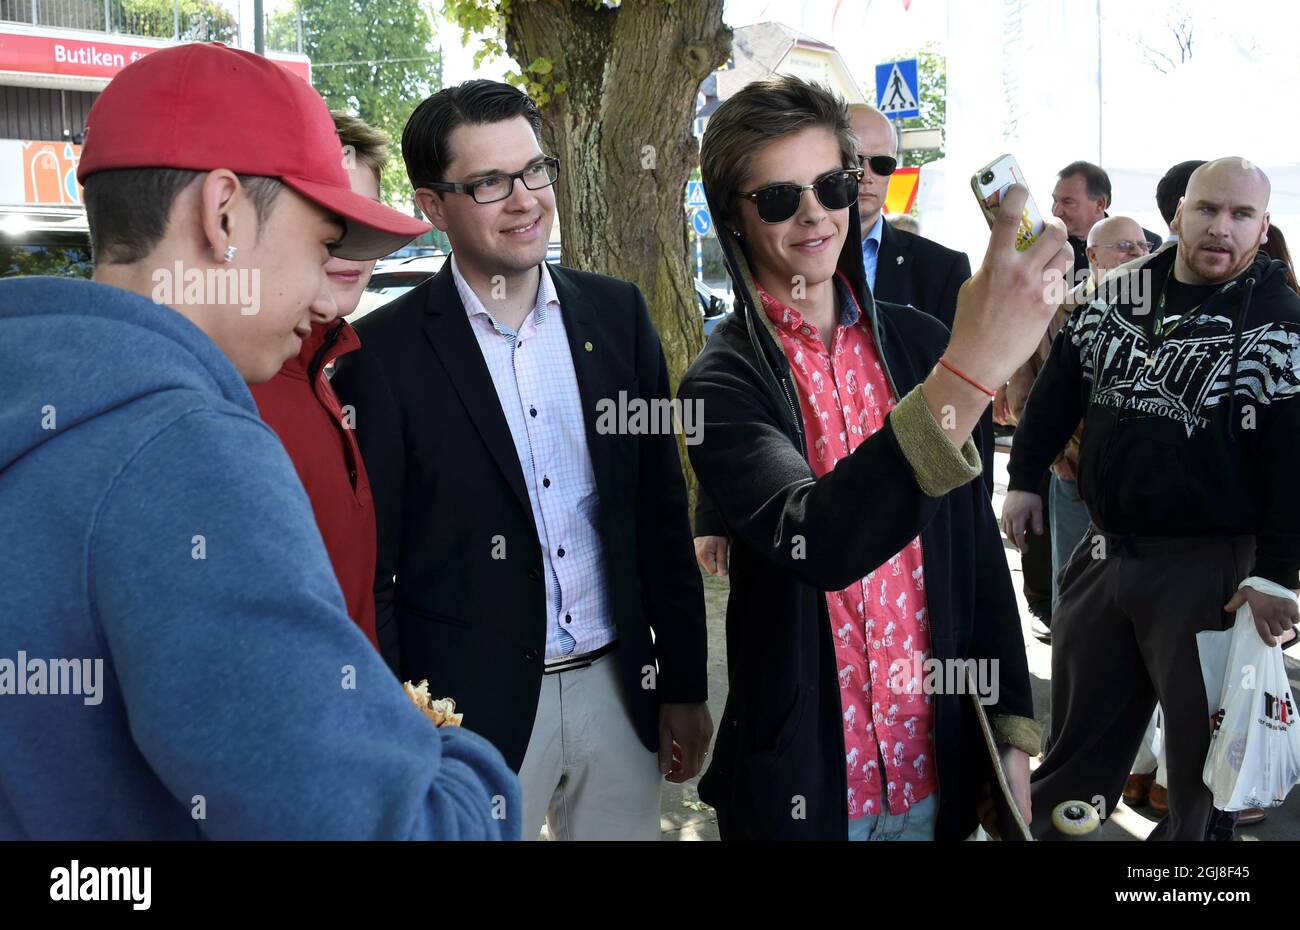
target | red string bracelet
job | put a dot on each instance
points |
(965, 377)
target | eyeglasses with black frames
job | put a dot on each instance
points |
(540, 174)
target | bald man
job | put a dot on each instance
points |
(902, 267)
(1186, 372)
(1114, 241)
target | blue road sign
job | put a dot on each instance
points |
(898, 93)
(702, 223)
(695, 194)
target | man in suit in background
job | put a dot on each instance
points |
(1080, 200)
(529, 543)
(903, 267)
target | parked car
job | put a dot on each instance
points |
(394, 279)
(44, 240)
(406, 253)
(714, 305)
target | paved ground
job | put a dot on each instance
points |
(685, 817)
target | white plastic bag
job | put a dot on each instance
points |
(1254, 756)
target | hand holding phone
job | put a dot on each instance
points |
(991, 184)
(1004, 309)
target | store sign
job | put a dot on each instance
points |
(78, 57)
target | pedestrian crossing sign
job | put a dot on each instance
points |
(897, 89)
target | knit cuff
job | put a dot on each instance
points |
(939, 465)
(1021, 732)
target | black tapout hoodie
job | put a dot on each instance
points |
(1197, 436)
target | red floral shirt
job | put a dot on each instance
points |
(881, 631)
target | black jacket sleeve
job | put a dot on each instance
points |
(708, 522)
(1051, 415)
(997, 634)
(672, 590)
(764, 489)
(360, 383)
(1277, 541)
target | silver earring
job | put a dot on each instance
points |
(230, 253)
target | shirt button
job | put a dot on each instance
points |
(568, 619)
(560, 552)
(546, 482)
(530, 655)
(532, 411)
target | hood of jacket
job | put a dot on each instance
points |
(72, 350)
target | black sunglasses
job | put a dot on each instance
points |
(778, 202)
(883, 165)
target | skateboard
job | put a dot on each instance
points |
(1071, 820)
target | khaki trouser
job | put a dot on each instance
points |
(586, 773)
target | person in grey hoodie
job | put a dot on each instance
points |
(176, 660)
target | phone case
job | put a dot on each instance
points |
(1006, 171)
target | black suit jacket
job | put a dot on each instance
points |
(450, 496)
(912, 269)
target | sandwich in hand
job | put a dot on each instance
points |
(442, 713)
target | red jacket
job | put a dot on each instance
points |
(308, 418)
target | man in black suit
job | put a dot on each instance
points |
(531, 537)
(902, 267)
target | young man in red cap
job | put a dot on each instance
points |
(180, 632)
(302, 408)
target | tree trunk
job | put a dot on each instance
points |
(623, 133)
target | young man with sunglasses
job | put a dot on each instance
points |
(901, 267)
(533, 563)
(837, 452)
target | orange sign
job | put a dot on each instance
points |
(50, 173)
(903, 185)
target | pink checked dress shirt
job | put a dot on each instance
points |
(879, 622)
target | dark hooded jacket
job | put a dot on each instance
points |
(778, 770)
(1197, 437)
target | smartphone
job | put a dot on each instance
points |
(990, 185)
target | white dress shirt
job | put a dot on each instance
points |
(532, 371)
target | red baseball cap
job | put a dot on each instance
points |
(205, 106)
